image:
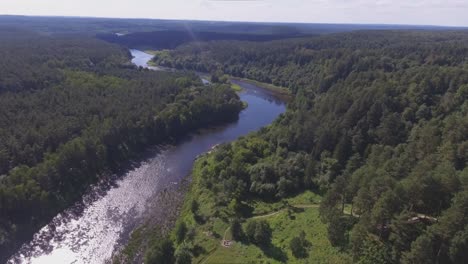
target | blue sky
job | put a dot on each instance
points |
(418, 12)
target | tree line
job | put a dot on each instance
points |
(170, 39)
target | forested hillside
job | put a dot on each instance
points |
(379, 126)
(74, 110)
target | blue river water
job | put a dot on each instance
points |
(90, 231)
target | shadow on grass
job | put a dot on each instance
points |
(199, 219)
(198, 250)
(269, 250)
(297, 210)
(246, 210)
(275, 253)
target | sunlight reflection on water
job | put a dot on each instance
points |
(89, 231)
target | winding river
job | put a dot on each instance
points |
(90, 231)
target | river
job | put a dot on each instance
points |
(90, 231)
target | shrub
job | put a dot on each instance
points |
(181, 231)
(299, 246)
(259, 232)
(162, 252)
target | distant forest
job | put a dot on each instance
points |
(172, 39)
(379, 125)
(92, 26)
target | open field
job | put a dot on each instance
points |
(285, 223)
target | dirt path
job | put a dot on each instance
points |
(207, 257)
(300, 206)
(224, 237)
(268, 215)
(306, 205)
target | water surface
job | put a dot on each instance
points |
(89, 231)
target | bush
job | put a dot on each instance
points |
(162, 252)
(337, 231)
(299, 246)
(259, 232)
(183, 256)
(181, 231)
(194, 206)
(250, 230)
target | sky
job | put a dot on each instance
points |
(410, 12)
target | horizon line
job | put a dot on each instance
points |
(236, 21)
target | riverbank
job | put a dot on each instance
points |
(209, 235)
(281, 91)
(278, 90)
(263, 108)
(160, 218)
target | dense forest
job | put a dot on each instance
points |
(73, 110)
(378, 126)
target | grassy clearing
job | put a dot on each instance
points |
(152, 52)
(287, 227)
(236, 87)
(215, 224)
(284, 228)
(277, 89)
